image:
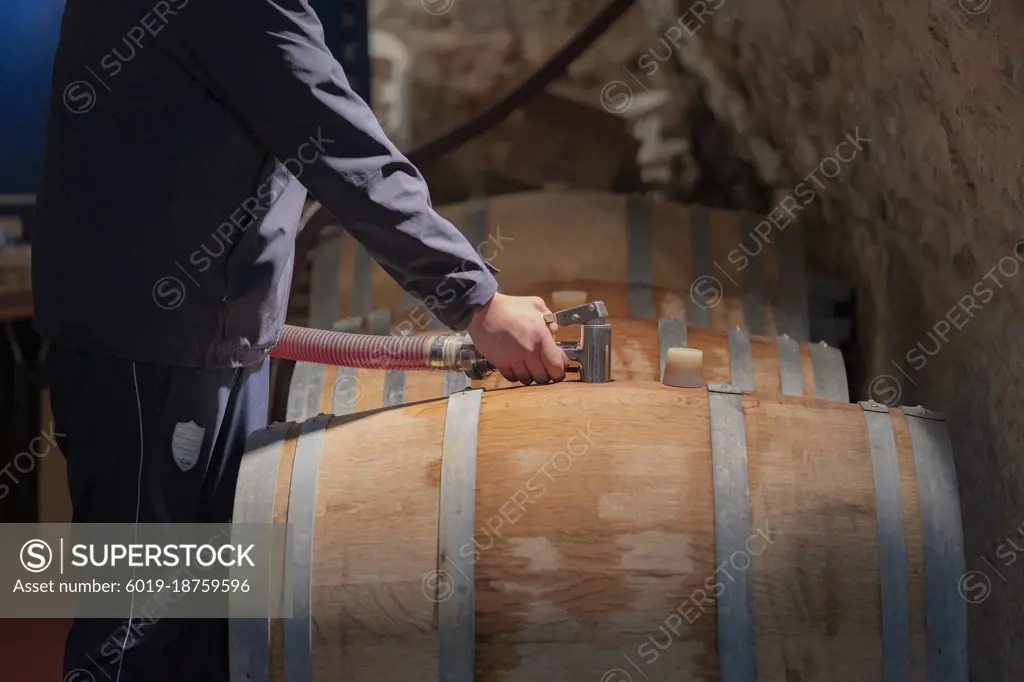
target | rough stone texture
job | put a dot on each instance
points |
(468, 53)
(924, 215)
(928, 214)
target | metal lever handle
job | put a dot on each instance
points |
(588, 313)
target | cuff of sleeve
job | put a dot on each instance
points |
(477, 295)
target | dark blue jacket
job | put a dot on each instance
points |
(182, 138)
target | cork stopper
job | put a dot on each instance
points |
(683, 368)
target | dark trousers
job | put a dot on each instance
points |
(151, 444)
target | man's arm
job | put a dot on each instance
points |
(267, 61)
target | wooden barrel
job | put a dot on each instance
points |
(770, 366)
(715, 268)
(767, 365)
(832, 328)
(614, 533)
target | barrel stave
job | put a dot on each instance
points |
(375, 542)
(812, 493)
(587, 539)
(912, 534)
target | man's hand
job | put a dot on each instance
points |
(511, 333)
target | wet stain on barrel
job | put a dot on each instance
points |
(432, 473)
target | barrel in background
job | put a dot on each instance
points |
(707, 266)
(673, 264)
(639, 349)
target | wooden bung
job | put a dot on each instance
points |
(562, 299)
(683, 368)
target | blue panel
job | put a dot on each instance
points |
(346, 30)
(29, 30)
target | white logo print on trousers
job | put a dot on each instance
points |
(186, 444)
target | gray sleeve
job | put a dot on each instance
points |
(268, 63)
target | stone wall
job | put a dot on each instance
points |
(468, 53)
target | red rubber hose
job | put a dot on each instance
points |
(364, 351)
